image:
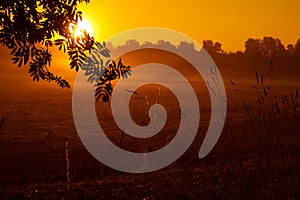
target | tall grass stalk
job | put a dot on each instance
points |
(67, 157)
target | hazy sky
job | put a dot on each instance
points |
(231, 22)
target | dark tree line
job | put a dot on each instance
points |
(257, 52)
(268, 46)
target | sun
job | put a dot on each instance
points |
(81, 27)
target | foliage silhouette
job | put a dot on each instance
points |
(28, 29)
(103, 71)
(212, 48)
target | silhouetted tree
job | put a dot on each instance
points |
(208, 45)
(297, 47)
(218, 47)
(28, 27)
(291, 49)
(268, 46)
(211, 47)
(253, 47)
(132, 43)
(166, 44)
(272, 47)
(185, 46)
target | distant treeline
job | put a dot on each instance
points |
(257, 52)
(268, 46)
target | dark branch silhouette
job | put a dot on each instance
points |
(28, 27)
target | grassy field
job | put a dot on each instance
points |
(256, 157)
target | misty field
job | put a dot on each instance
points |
(256, 157)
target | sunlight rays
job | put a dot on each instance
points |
(80, 28)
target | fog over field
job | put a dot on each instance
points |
(257, 155)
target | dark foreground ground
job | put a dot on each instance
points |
(257, 156)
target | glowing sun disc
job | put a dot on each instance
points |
(82, 26)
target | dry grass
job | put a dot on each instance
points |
(257, 156)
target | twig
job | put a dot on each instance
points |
(68, 166)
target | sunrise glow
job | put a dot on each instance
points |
(81, 27)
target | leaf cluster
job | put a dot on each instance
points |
(101, 70)
(27, 28)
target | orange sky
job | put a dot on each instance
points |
(231, 22)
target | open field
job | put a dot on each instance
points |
(254, 158)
